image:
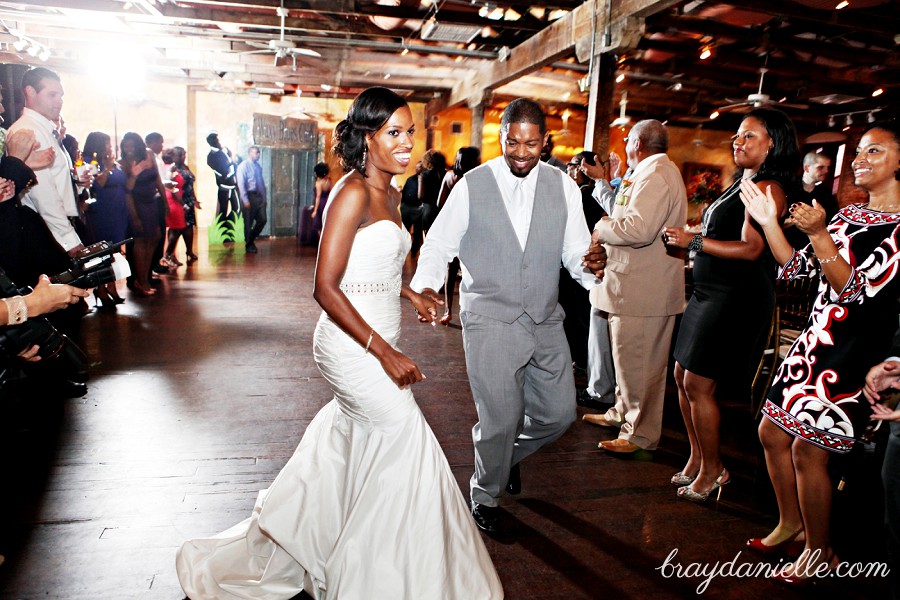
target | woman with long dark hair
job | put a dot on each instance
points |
(142, 184)
(367, 507)
(722, 333)
(188, 199)
(107, 214)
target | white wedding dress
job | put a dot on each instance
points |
(367, 507)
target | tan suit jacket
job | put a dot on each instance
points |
(641, 278)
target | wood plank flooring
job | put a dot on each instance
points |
(198, 397)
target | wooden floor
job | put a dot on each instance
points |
(198, 397)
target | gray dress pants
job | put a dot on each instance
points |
(524, 391)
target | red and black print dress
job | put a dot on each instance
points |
(816, 394)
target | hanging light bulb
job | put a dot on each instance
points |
(871, 117)
(878, 92)
(714, 115)
(620, 78)
(848, 121)
(45, 54)
(20, 44)
(33, 50)
(831, 120)
(705, 52)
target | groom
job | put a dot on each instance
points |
(511, 222)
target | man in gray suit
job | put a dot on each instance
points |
(511, 222)
(643, 289)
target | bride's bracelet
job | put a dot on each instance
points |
(369, 343)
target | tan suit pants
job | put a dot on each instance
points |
(640, 347)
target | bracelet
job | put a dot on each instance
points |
(830, 259)
(369, 343)
(696, 243)
(17, 310)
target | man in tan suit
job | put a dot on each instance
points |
(643, 289)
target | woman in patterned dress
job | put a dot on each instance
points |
(816, 407)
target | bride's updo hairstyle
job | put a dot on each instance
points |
(368, 113)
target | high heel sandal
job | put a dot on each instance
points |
(192, 258)
(790, 546)
(105, 302)
(680, 479)
(445, 320)
(686, 493)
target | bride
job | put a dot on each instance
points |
(367, 507)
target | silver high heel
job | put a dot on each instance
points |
(686, 493)
(680, 479)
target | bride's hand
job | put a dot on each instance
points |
(426, 305)
(400, 368)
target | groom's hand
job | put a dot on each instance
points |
(595, 258)
(426, 305)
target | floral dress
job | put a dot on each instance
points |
(816, 394)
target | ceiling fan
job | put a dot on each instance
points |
(758, 99)
(281, 47)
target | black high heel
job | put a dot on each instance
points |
(106, 303)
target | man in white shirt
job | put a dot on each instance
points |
(511, 222)
(54, 195)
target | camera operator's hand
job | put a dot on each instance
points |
(7, 189)
(48, 297)
(30, 354)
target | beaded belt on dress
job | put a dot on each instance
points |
(372, 288)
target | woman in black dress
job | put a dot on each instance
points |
(723, 329)
(816, 406)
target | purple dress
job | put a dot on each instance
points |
(107, 215)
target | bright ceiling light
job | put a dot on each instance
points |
(848, 121)
(20, 44)
(44, 55)
(871, 117)
(511, 15)
(620, 78)
(387, 75)
(325, 87)
(842, 4)
(705, 52)
(831, 120)
(878, 92)
(714, 115)
(404, 52)
(496, 14)
(34, 50)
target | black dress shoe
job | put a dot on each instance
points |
(585, 400)
(251, 249)
(514, 483)
(162, 270)
(487, 518)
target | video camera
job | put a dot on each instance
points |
(93, 266)
(96, 265)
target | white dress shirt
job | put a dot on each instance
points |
(444, 237)
(53, 197)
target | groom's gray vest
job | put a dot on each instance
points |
(505, 280)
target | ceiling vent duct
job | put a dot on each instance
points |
(442, 32)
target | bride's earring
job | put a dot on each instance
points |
(365, 154)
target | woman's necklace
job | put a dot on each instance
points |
(707, 214)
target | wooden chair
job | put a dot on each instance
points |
(793, 305)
